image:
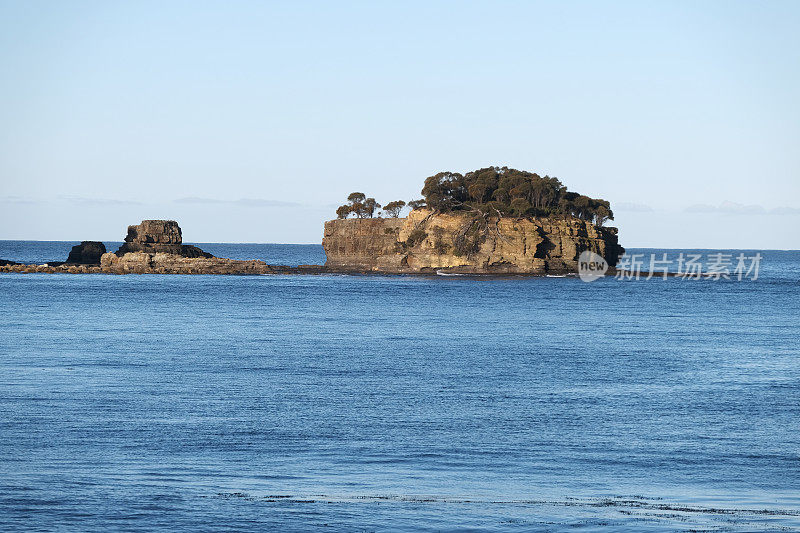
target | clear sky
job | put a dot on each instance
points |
(252, 121)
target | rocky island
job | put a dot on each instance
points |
(152, 247)
(156, 247)
(492, 221)
(429, 242)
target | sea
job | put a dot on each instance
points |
(398, 403)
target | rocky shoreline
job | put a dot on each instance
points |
(232, 267)
(158, 265)
(422, 244)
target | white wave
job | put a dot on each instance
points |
(440, 273)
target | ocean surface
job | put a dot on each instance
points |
(397, 403)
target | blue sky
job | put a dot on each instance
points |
(251, 121)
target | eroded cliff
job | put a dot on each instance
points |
(429, 242)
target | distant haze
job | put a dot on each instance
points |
(251, 121)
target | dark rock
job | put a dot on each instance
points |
(87, 253)
(188, 250)
(159, 236)
(5, 262)
(155, 232)
(182, 250)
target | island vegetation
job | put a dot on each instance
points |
(498, 191)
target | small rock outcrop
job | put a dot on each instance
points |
(152, 247)
(159, 236)
(461, 243)
(86, 253)
(156, 247)
(155, 232)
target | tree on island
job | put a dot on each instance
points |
(359, 205)
(392, 209)
(509, 192)
(343, 211)
(491, 191)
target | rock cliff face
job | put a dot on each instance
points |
(459, 243)
(158, 236)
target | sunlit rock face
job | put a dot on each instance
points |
(163, 263)
(427, 241)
